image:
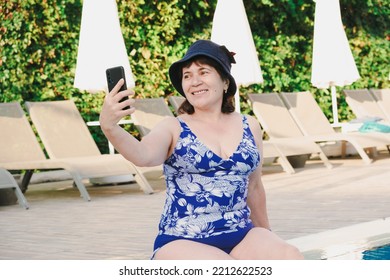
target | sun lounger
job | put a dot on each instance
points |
(364, 105)
(7, 181)
(273, 149)
(314, 124)
(149, 112)
(67, 139)
(382, 97)
(281, 128)
(20, 149)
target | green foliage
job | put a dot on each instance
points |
(39, 39)
(283, 35)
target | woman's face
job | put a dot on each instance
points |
(202, 84)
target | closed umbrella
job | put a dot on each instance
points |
(231, 28)
(101, 46)
(333, 64)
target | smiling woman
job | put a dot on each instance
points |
(215, 204)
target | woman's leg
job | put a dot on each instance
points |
(261, 243)
(190, 250)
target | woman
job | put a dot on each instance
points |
(215, 205)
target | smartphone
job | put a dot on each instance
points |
(113, 75)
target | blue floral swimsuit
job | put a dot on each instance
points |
(206, 195)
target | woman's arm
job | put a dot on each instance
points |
(256, 193)
(154, 147)
(257, 201)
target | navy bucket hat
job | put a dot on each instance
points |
(209, 49)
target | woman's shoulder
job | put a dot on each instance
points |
(250, 119)
(168, 125)
(253, 124)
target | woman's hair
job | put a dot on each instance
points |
(228, 100)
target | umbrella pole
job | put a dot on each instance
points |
(334, 105)
(237, 101)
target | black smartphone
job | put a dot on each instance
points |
(113, 75)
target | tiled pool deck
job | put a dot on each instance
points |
(317, 209)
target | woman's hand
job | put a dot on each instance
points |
(112, 110)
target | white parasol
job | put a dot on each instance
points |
(101, 46)
(333, 64)
(231, 28)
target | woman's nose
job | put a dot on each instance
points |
(196, 80)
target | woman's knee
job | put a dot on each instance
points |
(260, 243)
(287, 251)
(292, 253)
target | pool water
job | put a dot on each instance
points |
(364, 241)
(378, 253)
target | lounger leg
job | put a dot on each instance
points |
(26, 180)
(21, 199)
(144, 184)
(287, 167)
(326, 161)
(80, 185)
(10, 183)
(362, 153)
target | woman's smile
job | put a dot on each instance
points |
(200, 92)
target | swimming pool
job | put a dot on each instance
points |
(365, 241)
(379, 253)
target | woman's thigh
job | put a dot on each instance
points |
(261, 243)
(190, 250)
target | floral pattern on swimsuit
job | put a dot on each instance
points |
(207, 195)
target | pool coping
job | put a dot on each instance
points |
(344, 243)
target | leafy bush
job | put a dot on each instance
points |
(39, 42)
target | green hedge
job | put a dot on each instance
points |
(39, 42)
